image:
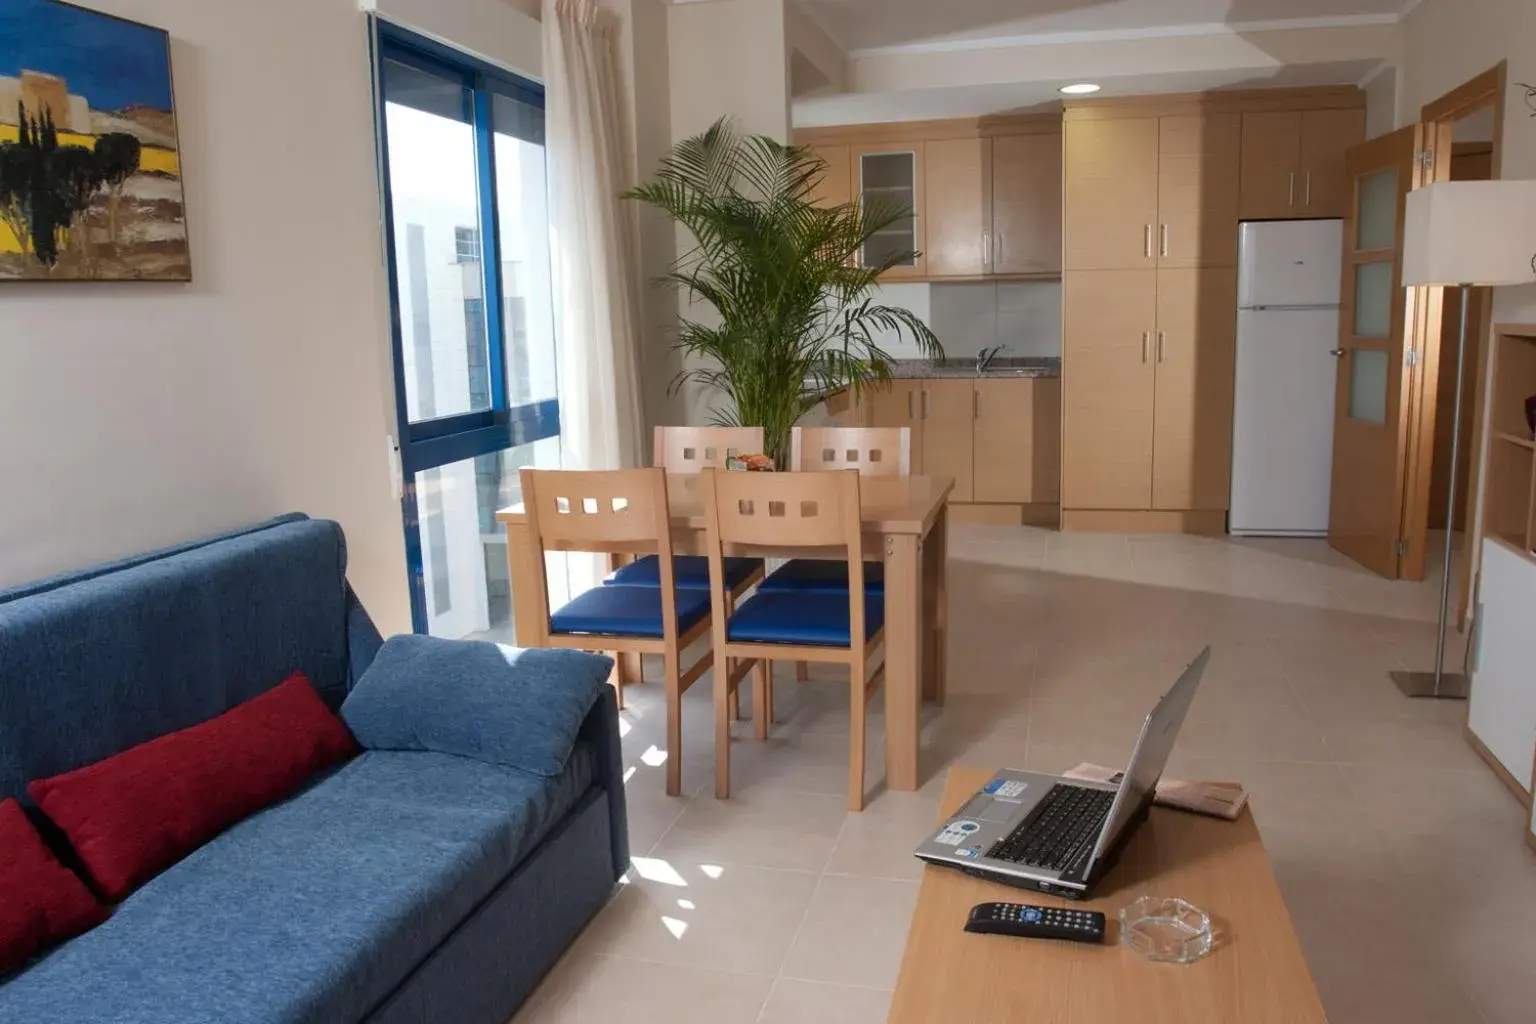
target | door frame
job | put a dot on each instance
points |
(1485, 91)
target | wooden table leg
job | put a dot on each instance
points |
(936, 608)
(525, 580)
(903, 658)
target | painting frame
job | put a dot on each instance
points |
(118, 212)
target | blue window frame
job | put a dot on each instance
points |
(468, 383)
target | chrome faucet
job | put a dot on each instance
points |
(985, 356)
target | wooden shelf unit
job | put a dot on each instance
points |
(1509, 509)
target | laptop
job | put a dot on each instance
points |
(1058, 835)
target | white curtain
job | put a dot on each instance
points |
(596, 266)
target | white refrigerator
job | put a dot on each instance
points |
(1287, 330)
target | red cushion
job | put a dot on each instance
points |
(132, 815)
(41, 901)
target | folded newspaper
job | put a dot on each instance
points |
(1216, 799)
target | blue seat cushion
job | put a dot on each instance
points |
(312, 911)
(804, 617)
(627, 611)
(821, 576)
(691, 571)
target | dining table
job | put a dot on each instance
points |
(905, 525)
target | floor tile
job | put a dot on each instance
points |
(585, 988)
(854, 932)
(759, 826)
(811, 1002)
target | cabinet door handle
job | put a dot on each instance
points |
(1146, 240)
(1291, 199)
(1146, 340)
(1165, 240)
(986, 248)
(924, 403)
(1307, 201)
(976, 405)
(1162, 336)
(1000, 249)
(909, 405)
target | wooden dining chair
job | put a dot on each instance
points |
(873, 451)
(598, 511)
(689, 450)
(812, 511)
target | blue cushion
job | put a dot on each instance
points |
(819, 575)
(627, 611)
(690, 571)
(476, 699)
(802, 618)
(313, 911)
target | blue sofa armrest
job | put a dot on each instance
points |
(601, 730)
(363, 639)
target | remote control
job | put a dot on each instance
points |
(1030, 922)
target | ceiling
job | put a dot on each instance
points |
(859, 25)
(1023, 97)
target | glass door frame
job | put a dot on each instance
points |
(432, 443)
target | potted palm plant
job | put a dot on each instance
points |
(792, 319)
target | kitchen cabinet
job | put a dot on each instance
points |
(1293, 163)
(1148, 367)
(1197, 190)
(1026, 204)
(999, 438)
(1108, 385)
(1196, 350)
(893, 174)
(836, 185)
(946, 410)
(958, 185)
(1017, 442)
(1110, 190)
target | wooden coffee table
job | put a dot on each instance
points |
(1256, 974)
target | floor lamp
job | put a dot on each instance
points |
(1464, 234)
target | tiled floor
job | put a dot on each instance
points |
(1399, 853)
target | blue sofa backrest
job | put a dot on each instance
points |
(95, 662)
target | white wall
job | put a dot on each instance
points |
(139, 415)
(1381, 93)
(504, 32)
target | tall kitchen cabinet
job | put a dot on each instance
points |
(1149, 319)
(1293, 163)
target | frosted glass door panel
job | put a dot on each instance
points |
(1368, 373)
(1373, 300)
(1378, 211)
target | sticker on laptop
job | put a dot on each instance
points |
(1006, 789)
(956, 832)
(969, 853)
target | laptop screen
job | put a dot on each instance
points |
(1153, 747)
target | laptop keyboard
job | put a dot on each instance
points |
(1061, 831)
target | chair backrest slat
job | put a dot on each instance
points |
(613, 506)
(873, 451)
(689, 450)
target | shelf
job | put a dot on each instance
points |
(889, 188)
(1515, 439)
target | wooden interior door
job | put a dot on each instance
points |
(1271, 160)
(946, 409)
(1380, 324)
(1326, 137)
(958, 175)
(1197, 190)
(1111, 194)
(1196, 357)
(1026, 204)
(1108, 379)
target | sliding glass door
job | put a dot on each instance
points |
(473, 318)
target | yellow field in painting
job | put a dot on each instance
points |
(153, 158)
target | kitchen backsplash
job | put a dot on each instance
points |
(1023, 316)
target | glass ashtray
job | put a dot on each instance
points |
(1165, 930)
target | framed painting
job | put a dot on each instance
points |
(90, 169)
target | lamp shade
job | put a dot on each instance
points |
(1470, 232)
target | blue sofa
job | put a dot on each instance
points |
(401, 887)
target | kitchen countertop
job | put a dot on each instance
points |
(1001, 368)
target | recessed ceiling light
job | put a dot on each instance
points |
(1080, 89)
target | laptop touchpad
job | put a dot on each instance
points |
(984, 808)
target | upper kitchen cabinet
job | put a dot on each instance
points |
(1026, 203)
(893, 174)
(1293, 163)
(836, 185)
(958, 184)
(1197, 190)
(1111, 171)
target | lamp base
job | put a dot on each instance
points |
(1453, 685)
